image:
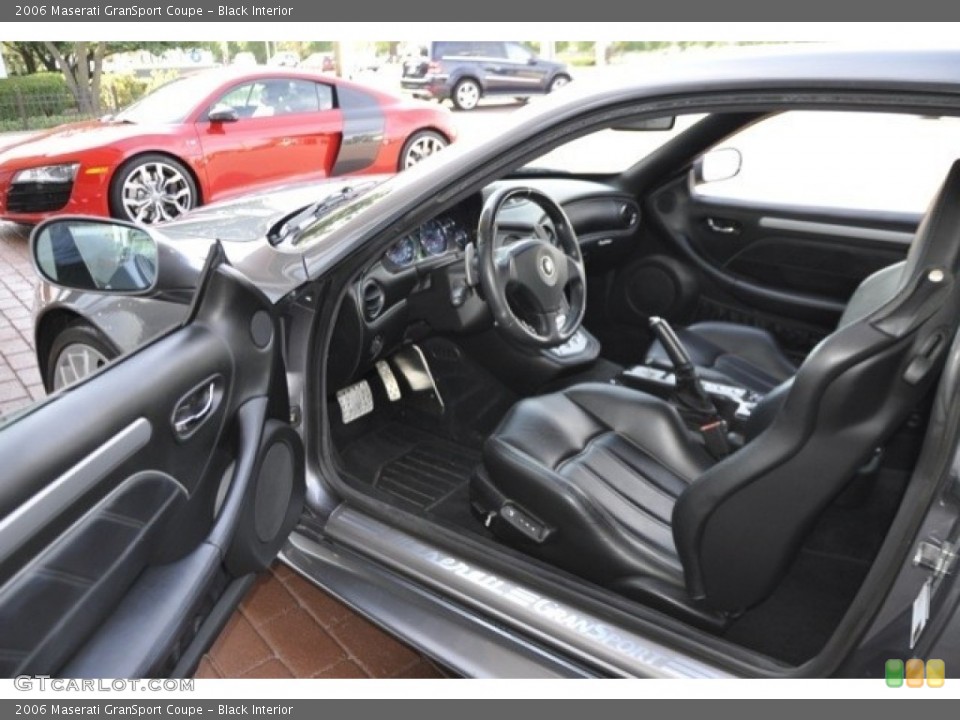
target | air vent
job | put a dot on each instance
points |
(373, 299)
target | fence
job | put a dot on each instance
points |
(33, 111)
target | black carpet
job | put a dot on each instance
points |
(415, 469)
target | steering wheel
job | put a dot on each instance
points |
(536, 290)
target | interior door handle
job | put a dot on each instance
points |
(195, 407)
(724, 227)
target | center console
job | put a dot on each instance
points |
(715, 409)
(738, 402)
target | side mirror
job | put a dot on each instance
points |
(222, 114)
(95, 255)
(717, 165)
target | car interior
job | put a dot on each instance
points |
(708, 406)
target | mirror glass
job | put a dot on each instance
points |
(721, 164)
(96, 255)
(642, 124)
(222, 113)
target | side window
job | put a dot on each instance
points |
(325, 96)
(242, 98)
(285, 97)
(451, 49)
(518, 53)
(857, 161)
(490, 50)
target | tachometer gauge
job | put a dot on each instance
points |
(404, 252)
(433, 238)
(457, 235)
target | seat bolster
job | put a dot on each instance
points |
(547, 429)
(588, 539)
(729, 352)
(750, 343)
(648, 422)
(602, 465)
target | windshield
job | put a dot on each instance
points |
(608, 152)
(170, 103)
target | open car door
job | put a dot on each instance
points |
(136, 506)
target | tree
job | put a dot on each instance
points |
(82, 66)
(80, 62)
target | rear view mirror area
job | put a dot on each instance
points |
(95, 255)
(717, 165)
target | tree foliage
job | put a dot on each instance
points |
(81, 63)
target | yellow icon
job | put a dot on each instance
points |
(915, 673)
(936, 672)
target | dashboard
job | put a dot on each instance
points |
(438, 240)
(418, 283)
(439, 236)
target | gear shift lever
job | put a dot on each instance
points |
(689, 393)
(682, 364)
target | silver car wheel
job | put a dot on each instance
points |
(156, 191)
(559, 82)
(75, 362)
(466, 95)
(422, 146)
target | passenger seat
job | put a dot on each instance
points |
(749, 356)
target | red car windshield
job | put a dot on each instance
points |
(171, 103)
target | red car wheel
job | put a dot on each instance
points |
(152, 188)
(422, 144)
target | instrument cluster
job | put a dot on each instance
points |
(436, 237)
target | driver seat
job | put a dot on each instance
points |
(607, 482)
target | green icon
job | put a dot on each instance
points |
(893, 671)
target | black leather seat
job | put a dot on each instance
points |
(606, 482)
(749, 356)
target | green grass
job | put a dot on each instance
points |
(38, 123)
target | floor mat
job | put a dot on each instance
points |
(410, 465)
(428, 473)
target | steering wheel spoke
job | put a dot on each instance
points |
(574, 270)
(526, 281)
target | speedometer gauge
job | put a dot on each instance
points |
(404, 252)
(433, 238)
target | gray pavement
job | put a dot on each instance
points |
(20, 382)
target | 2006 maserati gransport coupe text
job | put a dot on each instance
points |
(572, 401)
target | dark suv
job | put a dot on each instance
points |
(466, 70)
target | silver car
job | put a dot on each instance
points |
(533, 417)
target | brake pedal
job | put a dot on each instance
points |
(389, 380)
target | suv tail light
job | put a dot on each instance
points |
(433, 68)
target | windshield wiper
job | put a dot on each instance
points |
(292, 227)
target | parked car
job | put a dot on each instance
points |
(213, 135)
(320, 61)
(284, 58)
(464, 71)
(399, 386)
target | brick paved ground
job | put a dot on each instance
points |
(285, 627)
(20, 382)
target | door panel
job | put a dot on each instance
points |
(109, 516)
(790, 270)
(256, 152)
(806, 252)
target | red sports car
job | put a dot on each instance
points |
(212, 135)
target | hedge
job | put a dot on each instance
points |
(41, 94)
